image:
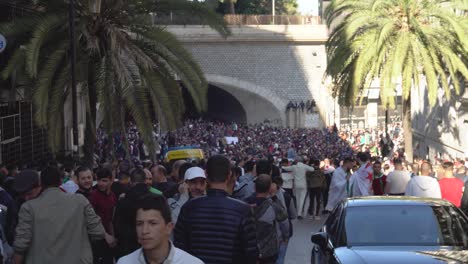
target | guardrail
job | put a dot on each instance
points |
(240, 20)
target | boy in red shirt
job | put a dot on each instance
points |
(451, 188)
(380, 180)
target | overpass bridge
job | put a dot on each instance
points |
(262, 68)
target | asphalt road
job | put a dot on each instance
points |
(300, 245)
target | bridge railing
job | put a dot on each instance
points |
(241, 20)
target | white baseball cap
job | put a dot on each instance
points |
(194, 172)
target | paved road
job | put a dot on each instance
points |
(300, 244)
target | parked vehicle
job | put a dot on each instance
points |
(389, 229)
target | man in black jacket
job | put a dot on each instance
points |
(216, 228)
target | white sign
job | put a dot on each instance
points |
(3, 43)
(232, 140)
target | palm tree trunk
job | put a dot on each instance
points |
(90, 132)
(408, 128)
(232, 9)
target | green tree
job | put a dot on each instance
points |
(397, 41)
(125, 64)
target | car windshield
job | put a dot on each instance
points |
(405, 226)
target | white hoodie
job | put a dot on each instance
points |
(423, 186)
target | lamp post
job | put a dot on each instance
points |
(71, 20)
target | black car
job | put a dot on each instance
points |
(389, 229)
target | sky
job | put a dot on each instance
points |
(308, 7)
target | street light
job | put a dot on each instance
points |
(95, 9)
(71, 21)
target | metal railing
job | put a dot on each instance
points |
(239, 20)
(21, 141)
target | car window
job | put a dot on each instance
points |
(405, 225)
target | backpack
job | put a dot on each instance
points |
(267, 237)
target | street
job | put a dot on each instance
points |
(300, 245)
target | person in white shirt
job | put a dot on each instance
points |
(397, 179)
(361, 180)
(424, 185)
(154, 227)
(339, 179)
(287, 177)
(300, 184)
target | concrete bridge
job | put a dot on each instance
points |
(261, 68)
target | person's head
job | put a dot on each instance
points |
(176, 167)
(196, 180)
(104, 179)
(264, 167)
(51, 177)
(183, 168)
(236, 172)
(27, 184)
(377, 167)
(153, 222)
(263, 184)
(124, 178)
(138, 176)
(398, 164)
(12, 169)
(348, 164)
(362, 157)
(159, 173)
(415, 168)
(149, 177)
(426, 169)
(249, 166)
(284, 162)
(448, 169)
(218, 169)
(84, 177)
(278, 181)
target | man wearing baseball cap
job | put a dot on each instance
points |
(27, 185)
(194, 186)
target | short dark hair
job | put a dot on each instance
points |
(218, 168)
(346, 160)
(378, 163)
(138, 176)
(263, 183)
(51, 177)
(103, 173)
(154, 202)
(249, 166)
(80, 170)
(447, 165)
(264, 167)
(397, 161)
(278, 181)
(237, 171)
(363, 156)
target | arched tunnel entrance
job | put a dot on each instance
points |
(222, 106)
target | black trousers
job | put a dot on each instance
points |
(269, 260)
(315, 195)
(291, 194)
(102, 253)
(326, 189)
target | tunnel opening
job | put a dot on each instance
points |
(222, 106)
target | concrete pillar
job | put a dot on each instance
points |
(372, 114)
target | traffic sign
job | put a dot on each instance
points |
(3, 43)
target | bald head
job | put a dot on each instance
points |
(426, 169)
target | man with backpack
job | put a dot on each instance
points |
(271, 220)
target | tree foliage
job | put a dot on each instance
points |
(397, 41)
(257, 7)
(125, 64)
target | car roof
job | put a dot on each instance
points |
(393, 201)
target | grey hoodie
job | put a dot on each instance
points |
(423, 186)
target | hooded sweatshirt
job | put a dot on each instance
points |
(423, 186)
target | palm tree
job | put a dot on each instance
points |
(407, 42)
(125, 64)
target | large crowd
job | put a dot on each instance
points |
(237, 206)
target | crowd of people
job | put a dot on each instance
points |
(238, 206)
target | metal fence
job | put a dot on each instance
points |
(240, 20)
(21, 141)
